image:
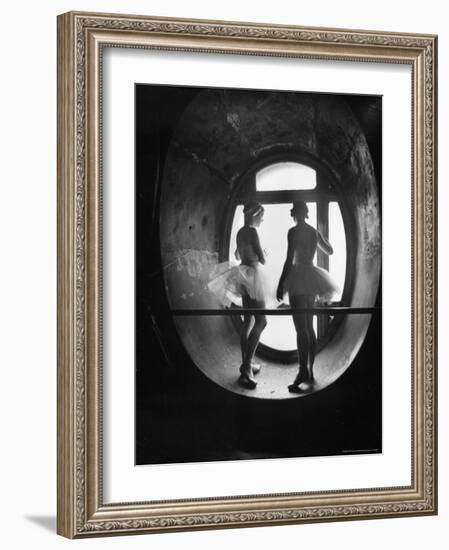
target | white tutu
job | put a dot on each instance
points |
(308, 279)
(229, 281)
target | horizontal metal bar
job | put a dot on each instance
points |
(337, 310)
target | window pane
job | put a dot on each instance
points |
(337, 238)
(286, 176)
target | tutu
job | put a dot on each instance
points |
(229, 281)
(308, 279)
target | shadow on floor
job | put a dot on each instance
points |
(46, 522)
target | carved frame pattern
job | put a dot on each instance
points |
(80, 508)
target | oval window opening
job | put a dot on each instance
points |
(202, 195)
(279, 334)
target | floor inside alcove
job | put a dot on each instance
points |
(272, 380)
(215, 349)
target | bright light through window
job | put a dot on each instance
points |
(337, 238)
(286, 176)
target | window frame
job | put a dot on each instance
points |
(328, 189)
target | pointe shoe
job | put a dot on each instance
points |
(255, 368)
(246, 379)
(294, 388)
(300, 378)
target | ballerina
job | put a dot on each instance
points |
(304, 282)
(246, 284)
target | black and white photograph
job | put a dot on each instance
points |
(258, 303)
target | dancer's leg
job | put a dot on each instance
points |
(260, 322)
(247, 325)
(312, 337)
(252, 341)
(302, 340)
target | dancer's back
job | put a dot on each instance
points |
(304, 241)
(248, 246)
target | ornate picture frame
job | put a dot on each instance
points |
(82, 508)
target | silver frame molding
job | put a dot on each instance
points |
(81, 37)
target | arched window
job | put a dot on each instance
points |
(276, 186)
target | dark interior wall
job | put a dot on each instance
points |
(181, 415)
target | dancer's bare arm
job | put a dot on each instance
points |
(256, 244)
(287, 265)
(324, 244)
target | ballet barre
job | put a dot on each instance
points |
(336, 310)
